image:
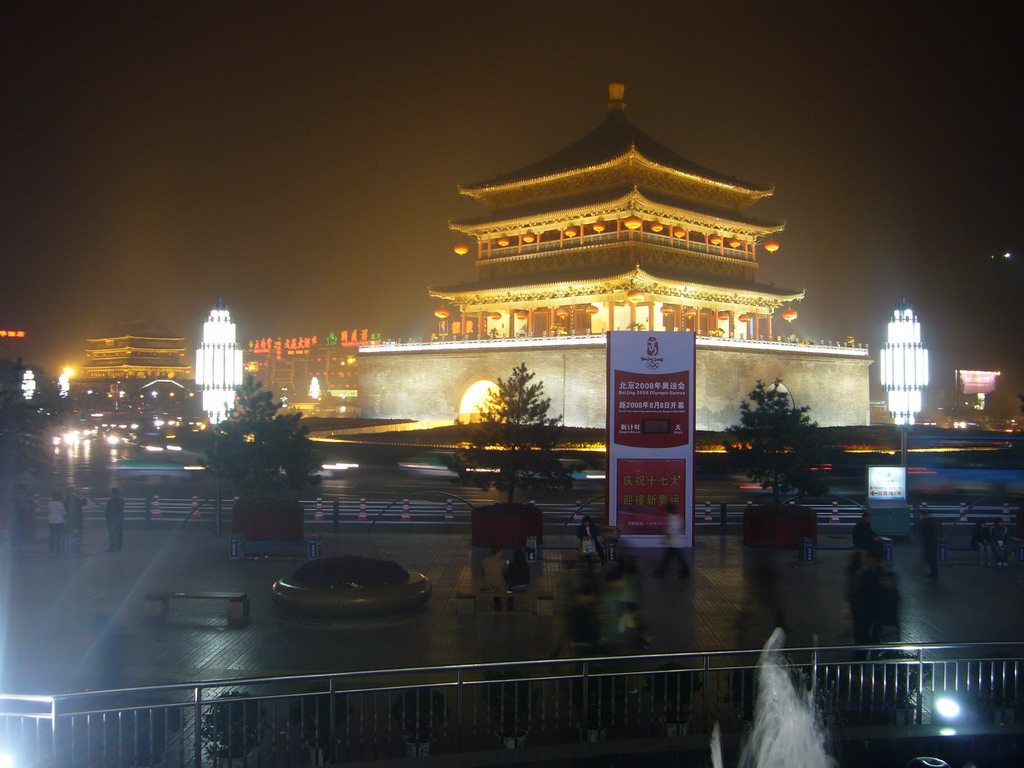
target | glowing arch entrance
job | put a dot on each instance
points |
(473, 400)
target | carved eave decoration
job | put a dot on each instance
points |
(633, 203)
(631, 166)
(659, 290)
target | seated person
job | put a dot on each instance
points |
(864, 537)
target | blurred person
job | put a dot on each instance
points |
(855, 596)
(73, 509)
(673, 542)
(928, 533)
(864, 536)
(56, 515)
(492, 570)
(517, 577)
(589, 535)
(114, 513)
(1001, 542)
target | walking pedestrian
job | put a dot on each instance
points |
(114, 513)
(927, 531)
(673, 543)
(590, 539)
(56, 515)
(73, 510)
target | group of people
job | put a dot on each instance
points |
(503, 577)
(992, 542)
(65, 513)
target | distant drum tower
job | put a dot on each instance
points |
(218, 364)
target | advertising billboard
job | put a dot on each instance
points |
(976, 382)
(650, 431)
(886, 484)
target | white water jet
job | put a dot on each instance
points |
(787, 726)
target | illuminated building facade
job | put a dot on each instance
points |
(140, 351)
(218, 365)
(288, 367)
(614, 232)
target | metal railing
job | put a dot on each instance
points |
(384, 714)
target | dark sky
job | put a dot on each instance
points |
(301, 159)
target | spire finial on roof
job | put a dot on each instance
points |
(616, 92)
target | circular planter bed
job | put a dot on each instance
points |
(346, 587)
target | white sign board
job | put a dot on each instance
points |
(886, 484)
(651, 410)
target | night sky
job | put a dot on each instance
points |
(301, 159)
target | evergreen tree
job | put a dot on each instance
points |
(515, 444)
(776, 444)
(262, 451)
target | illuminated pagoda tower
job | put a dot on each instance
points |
(143, 351)
(614, 232)
(218, 364)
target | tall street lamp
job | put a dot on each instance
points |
(904, 370)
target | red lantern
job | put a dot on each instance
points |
(723, 316)
(633, 222)
(462, 249)
(522, 315)
(503, 242)
(680, 233)
(599, 227)
(562, 312)
(734, 243)
(441, 313)
(716, 240)
(635, 296)
(591, 310)
(690, 312)
(570, 232)
(745, 318)
(657, 227)
(667, 310)
(771, 246)
(495, 315)
(528, 238)
(789, 315)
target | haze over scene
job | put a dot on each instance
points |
(301, 159)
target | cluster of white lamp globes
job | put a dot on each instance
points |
(218, 365)
(904, 365)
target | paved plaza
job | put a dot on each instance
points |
(76, 622)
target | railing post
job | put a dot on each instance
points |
(198, 726)
(920, 686)
(458, 709)
(704, 690)
(586, 697)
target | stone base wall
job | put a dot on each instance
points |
(428, 385)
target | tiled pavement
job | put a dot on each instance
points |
(74, 622)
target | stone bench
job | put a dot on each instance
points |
(158, 603)
(543, 603)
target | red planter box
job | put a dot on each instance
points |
(506, 525)
(268, 519)
(779, 529)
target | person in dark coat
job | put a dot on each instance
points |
(588, 532)
(927, 531)
(981, 541)
(114, 513)
(865, 538)
(73, 510)
(517, 577)
(1001, 542)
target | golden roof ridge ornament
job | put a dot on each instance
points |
(616, 94)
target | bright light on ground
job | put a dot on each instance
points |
(947, 708)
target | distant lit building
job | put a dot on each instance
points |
(614, 232)
(139, 351)
(288, 366)
(218, 365)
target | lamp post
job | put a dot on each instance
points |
(904, 370)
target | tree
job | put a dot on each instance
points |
(515, 444)
(262, 451)
(776, 443)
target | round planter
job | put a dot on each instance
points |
(348, 603)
